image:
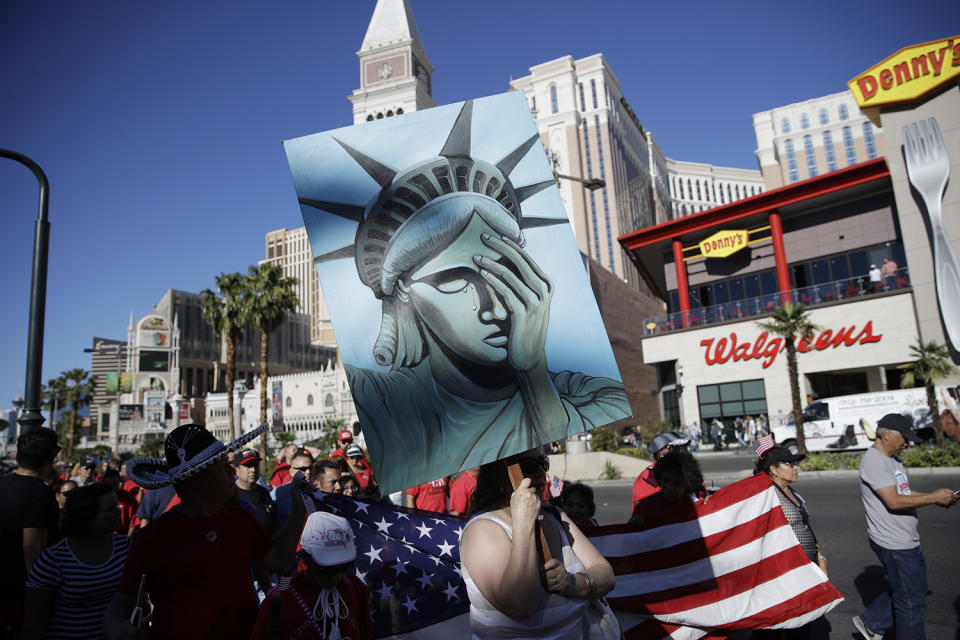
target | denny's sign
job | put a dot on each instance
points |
(724, 243)
(908, 74)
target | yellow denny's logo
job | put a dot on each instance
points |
(908, 74)
(724, 243)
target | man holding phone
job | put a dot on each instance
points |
(891, 509)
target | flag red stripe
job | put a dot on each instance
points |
(709, 591)
(700, 548)
(810, 600)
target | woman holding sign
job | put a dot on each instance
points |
(512, 593)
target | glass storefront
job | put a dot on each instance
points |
(729, 401)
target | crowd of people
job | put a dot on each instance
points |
(200, 544)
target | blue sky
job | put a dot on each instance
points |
(159, 124)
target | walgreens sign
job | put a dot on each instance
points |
(734, 348)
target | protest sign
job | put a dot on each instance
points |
(458, 297)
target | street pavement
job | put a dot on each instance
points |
(837, 518)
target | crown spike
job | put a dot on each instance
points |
(458, 142)
(525, 192)
(529, 222)
(512, 159)
(348, 251)
(381, 173)
(349, 211)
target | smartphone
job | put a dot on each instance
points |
(957, 492)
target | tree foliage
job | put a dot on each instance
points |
(790, 322)
(225, 312)
(931, 363)
(268, 296)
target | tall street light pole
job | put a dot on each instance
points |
(31, 418)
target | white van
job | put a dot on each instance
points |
(847, 423)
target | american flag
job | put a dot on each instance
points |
(409, 560)
(763, 444)
(726, 564)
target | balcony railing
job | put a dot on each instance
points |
(847, 289)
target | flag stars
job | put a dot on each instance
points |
(451, 592)
(439, 521)
(459, 532)
(383, 526)
(374, 554)
(362, 575)
(445, 548)
(400, 567)
(426, 580)
(424, 530)
(411, 605)
(385, 592)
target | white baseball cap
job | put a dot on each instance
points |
(328, 539)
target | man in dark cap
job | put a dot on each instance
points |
(891, 509)
(645, 484)
(28, 517)
(197, 558)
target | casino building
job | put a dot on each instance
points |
(854, 245)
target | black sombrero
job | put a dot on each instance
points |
(190, 448)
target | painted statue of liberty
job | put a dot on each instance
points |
(464, 317)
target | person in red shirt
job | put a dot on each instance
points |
(324, 597)
(197, 558)
(126, 503)
(663, 443)
(344, 440)
(429, 496)
(461, 490)
(359, 466)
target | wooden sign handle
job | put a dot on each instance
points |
(516, 477)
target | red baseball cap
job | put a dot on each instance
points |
(245, 456)
(345, 435)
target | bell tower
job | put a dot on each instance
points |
(394, 69)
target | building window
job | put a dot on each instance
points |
(811, 157)
(824, 118)
(583, 103)
(804, 121)
(791, 161)
(848, 145)
(289, 402)
(328, 401)
(730, 400)
(593, 91)
(843, 112)
(785, 125)
(553, 99)
(868, 138)
(828, 149)
(310, 400)
(533, 102)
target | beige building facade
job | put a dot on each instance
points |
(806, 139)
(590, 131)
(695, 186)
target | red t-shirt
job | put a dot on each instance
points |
(295, 623)
(460, 492)
(128, 506)
(645, 485)
(363, 474)
(431, 496)
(281, 475)
(198, 573)
(131, 487)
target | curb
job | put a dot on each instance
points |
(723, 479)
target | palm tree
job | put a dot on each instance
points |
(52, 399)
(789, 322)
(78, 386)
(226, 314)
(931, 363)
(269, 297)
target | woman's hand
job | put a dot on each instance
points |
(526, 297)
(524, 506)
(558, 580)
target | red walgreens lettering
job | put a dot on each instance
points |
(717, 352)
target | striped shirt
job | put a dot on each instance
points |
(83, 591)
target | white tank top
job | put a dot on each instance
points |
(556, 617)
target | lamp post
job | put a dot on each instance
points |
(31, 418)
(591, 184)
